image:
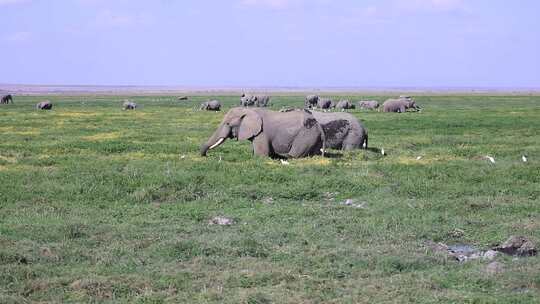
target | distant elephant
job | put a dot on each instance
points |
(129, 105)
(6, 99)
(325, 103)
(368, 104)
(311, 101)
(211, 105)
(255, 100)
(262, 101)
(44, 105)
(290, 134)
(342, 131)
(400, 105)
(247, 100)
(345, 105)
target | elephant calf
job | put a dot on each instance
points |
(290, 134)
(345, 105)
(368, 104)
(6, 99)
(44, 105)
(400, 105)
(129, 105)
(342, 131)
(211, 105)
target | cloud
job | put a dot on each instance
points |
(18, 37)
(8, 2)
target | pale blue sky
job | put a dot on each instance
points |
(428, 43)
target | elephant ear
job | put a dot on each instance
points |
(251, 125)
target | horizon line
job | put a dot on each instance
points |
(81, 89)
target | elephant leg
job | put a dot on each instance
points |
(261, 146)
(306, 143)
(352, 141)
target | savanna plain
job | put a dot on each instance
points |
(103, 205)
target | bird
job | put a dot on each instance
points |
(284, 162)
(419, 158)
(382, 151)
(491, 159)
(524, 158)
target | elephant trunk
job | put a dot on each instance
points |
(221, 134)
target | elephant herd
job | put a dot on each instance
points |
(246, 100)
(399, 105)
(291, 133)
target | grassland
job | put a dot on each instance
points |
(103, 205)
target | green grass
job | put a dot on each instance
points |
(97, 205)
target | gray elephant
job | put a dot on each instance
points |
(211, 105)
(345, 105)
(129, 105)
(400, 105)
(6, 99)
(311, 101)
(342, 131)
(247, 100)
(290, 134)
(255, 100)
(44, 105)
(325, 103)
(368, 104)
(262, 101)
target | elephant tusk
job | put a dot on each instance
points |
(217, 143)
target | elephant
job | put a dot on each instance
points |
(311, 101)
(6, 99)
(368, 104)
(129, 105)
(342, 131)
(255, 100)
(44, 105)
(247, 100)
(400, 105)
(345, 105)
(291, 134)
(211, 105)
(325, 103)
(262, 101)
